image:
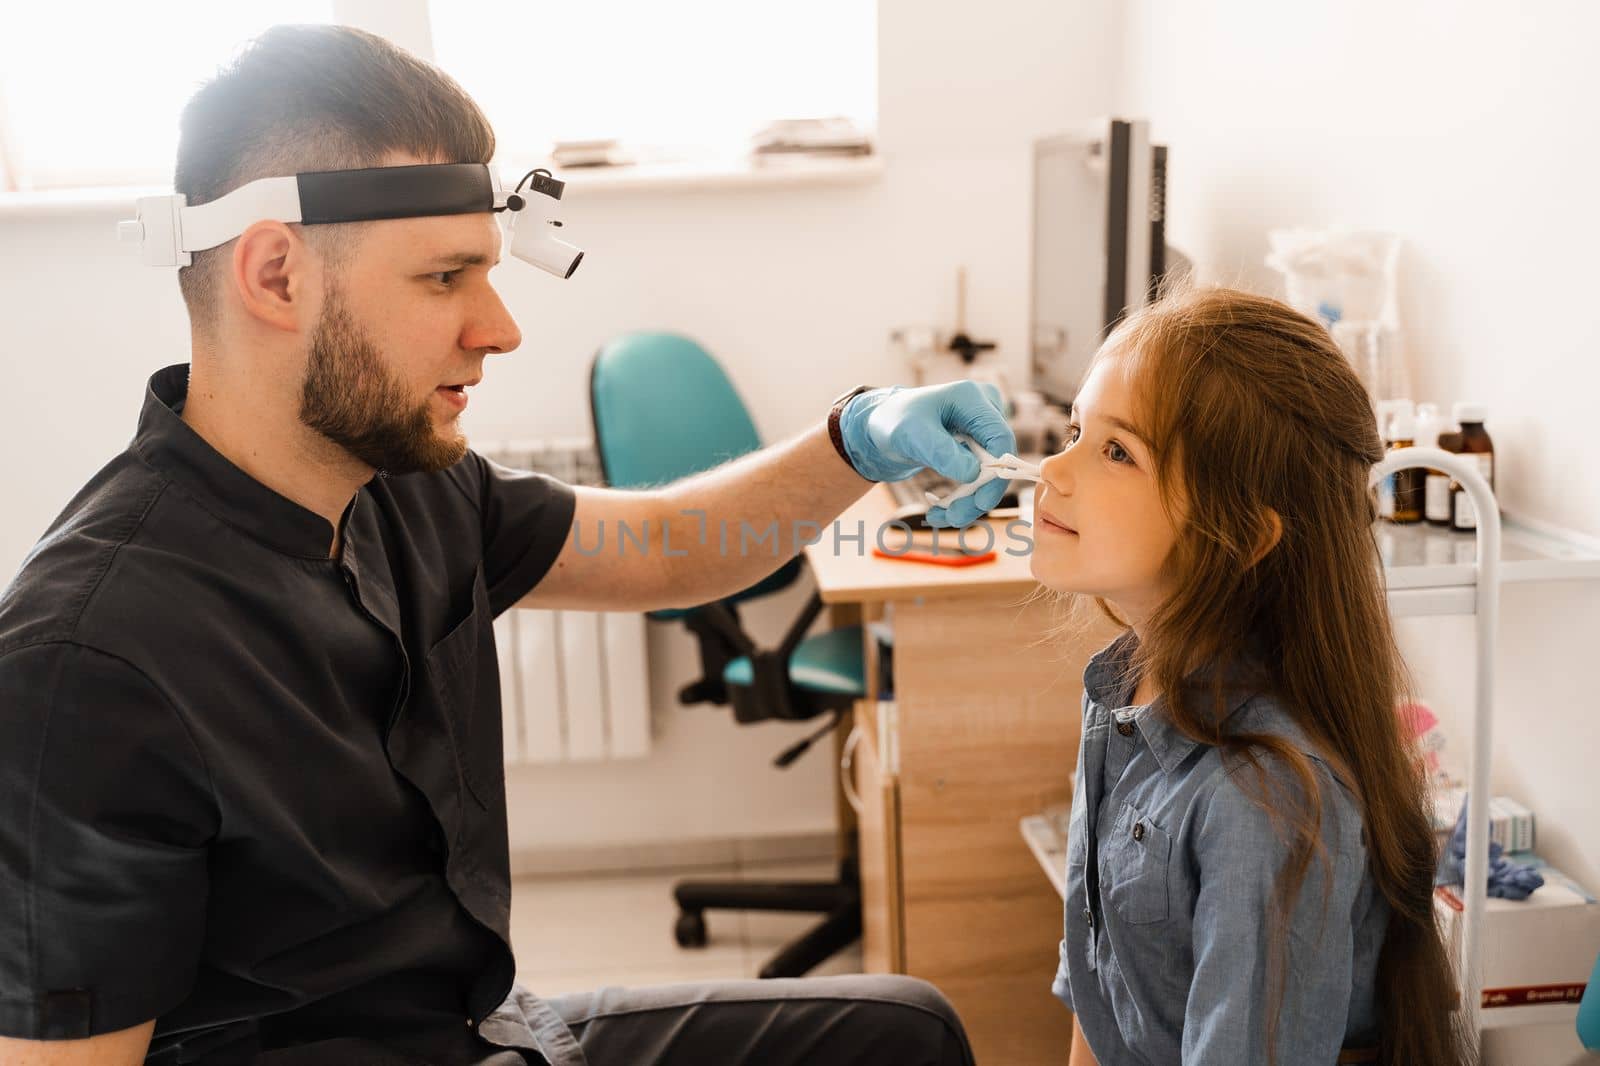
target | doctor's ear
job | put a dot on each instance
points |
(273, 272)
(1269, 532)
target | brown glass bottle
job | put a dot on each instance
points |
(1409, 484)
(1474, 443)
(1440, 486)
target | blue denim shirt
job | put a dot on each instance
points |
(1170, 875)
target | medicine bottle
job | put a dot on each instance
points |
(1474, 445)
(1387, 410)
(1436, 484)
(1408, 485)
(1437, 495)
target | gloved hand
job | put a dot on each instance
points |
(892, 433)
(1507, 879)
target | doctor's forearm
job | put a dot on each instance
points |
(739, 522)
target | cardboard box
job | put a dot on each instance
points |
(1538, 950)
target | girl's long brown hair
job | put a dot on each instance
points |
(1251, 410)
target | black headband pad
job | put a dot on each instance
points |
(394, 192)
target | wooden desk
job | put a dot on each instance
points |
(983, 730)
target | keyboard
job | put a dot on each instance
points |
(911, 504)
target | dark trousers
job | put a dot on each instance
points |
(858, 1020)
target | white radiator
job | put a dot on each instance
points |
(574, 685)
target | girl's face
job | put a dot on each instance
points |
(1099, 528)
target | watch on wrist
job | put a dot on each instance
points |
(834, 432)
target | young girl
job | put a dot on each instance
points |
(1249, 867)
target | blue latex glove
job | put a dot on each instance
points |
(1507, 879)
(892, 433)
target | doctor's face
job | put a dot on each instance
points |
(1099, 527)
(406, 322)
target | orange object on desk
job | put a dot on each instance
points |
(914, 555)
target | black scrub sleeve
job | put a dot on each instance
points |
(526, 518)
(106, 815)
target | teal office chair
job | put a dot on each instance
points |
(663, 410)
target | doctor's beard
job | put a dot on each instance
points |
(350, 397)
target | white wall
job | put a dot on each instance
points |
(1468, 130)
(795, 289)
(1468, 135)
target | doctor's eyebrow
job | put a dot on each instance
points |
(456, 260)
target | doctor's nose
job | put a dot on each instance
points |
(492, 329)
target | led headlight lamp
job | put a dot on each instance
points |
(168, 230)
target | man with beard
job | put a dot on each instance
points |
(250, 754)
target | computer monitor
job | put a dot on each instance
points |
(1099, 243)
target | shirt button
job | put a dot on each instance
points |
(1138, 830)
(1125, 728)
(1088, 916)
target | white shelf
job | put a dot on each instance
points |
(718, 174)
(1534, 1014)
(704, 175)
(116, 201)
(1432, 571)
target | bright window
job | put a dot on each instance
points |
(90, 94)
(691, 74)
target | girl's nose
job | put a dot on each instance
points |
(1056, 472)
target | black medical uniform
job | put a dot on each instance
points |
(257, 794)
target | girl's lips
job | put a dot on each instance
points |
(1050, 526)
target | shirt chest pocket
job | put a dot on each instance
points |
(1134, 858)
(465, 677)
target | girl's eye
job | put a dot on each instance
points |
(1117, 453)
(445, 277)
(1073, 433)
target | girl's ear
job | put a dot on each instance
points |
(1271, 532)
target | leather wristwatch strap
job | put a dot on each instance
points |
(834, 432)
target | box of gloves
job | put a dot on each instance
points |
(1511, 825)
(1535, 950)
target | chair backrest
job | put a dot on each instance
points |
(663, 409)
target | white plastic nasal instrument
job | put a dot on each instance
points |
(1007, 466)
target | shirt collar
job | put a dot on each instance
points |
(169, 444)
(1109, 682)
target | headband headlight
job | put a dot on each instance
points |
(167, 230)
(535, 243)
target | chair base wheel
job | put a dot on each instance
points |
(690, 930)
(702, 692)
